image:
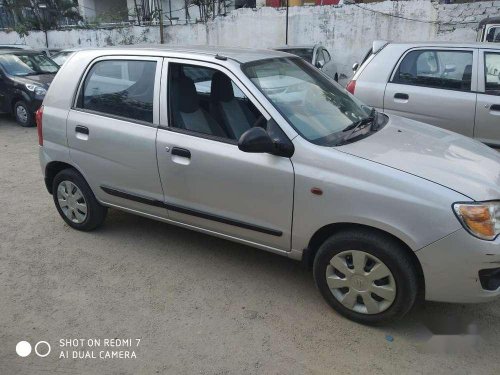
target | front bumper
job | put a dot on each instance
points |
(451, 268)
(35, 103)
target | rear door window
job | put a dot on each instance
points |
(123, 88)
(493, 34)
(450, 70)
(492, 73)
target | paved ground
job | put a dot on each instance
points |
(198, 304)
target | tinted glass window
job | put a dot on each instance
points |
(304, 53)
(493, 35)
(437, 69)
(320, 58)
(492, 73)
(327, 55)
(206, 101)
(122, 88)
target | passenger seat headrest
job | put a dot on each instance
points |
(222, 87)
(188, 98)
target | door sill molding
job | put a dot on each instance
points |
(190, 211)
(257, 245)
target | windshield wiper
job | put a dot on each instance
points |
(357, 124)
(361, 124)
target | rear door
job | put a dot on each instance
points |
(111, 131)
(208, 182)
(487, 128)
(435, 86)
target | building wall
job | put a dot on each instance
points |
(346, 30)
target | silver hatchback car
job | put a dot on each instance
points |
(455, 86)
(275, 155)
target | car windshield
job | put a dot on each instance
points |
(61, 57)
(304, 53)
(317, 108)
(27, 64)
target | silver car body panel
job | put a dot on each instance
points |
(437, 155)
(362, 182)
(487, 128)
(451, 267)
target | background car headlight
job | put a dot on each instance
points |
(38, 90)
(481, 219)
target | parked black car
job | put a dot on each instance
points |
(24, 79)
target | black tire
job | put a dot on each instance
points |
(30, 118)
(96, 213)
(390, 252)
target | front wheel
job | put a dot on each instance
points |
(76, 202)
(366, 276)
(23, 115)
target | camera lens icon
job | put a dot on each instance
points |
(42, 349)
(23, 348)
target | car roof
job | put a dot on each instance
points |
(241, 55)
(19, 51)
(448, 44)
(295, 47)
(15, 46)
(489, 20)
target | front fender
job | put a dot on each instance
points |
(359, 191)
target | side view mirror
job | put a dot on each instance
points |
(355, 66)
(273, 141)
(256, 140)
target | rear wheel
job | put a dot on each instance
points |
(23, 115)
(366, 276)
(76, 202)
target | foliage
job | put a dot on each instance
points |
(40, 14)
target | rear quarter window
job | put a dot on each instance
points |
(122, 88)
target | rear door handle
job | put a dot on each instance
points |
(82, 129)
(182, 152)
(401, 96)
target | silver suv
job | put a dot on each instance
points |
(261, 148)
(450, 85)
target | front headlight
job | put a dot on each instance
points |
(38, 90)
(481, 219)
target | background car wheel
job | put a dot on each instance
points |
(23, 115)
(366, 276)
(75, 201)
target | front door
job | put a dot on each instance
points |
(435, 86)
(208, 182)
(112, 131)
(487, 128)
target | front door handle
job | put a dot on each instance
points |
(82, 129)
(401, 96)
(495, 107)
(182, 152)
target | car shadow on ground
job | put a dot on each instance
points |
(433, 326)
